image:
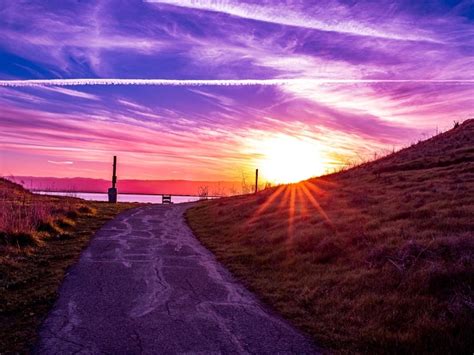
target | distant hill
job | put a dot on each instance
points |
(175, 187)
(375, 259)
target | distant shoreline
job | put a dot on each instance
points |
(142, 187)
(120, 193)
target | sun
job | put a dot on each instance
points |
(287, 159)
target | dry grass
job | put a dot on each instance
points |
(27, 219)
(375, 259)
(40, 237)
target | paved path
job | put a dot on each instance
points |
(145, 285)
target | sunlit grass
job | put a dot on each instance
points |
(375, 259)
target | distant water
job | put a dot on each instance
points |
(121, 197)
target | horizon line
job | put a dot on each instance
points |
(216, 82)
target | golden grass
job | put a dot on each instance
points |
(35, 255)
(375, 259)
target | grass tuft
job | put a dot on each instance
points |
(65, 223)
(21, 239)
(86, 210)
(50, 227)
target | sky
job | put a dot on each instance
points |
(211, 90)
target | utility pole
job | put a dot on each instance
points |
(113, 189)
(256, 180)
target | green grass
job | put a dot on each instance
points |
(374, 259)
(33, 261)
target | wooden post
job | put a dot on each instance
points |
(113, 190)
(256, 180)
(114, 174)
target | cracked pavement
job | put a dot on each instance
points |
(145, 285)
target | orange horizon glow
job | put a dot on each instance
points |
(281, 155)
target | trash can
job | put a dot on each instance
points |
(113, 195)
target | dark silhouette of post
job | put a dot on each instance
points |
(256, 180)
(113, 189)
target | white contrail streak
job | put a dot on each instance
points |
(231, 82)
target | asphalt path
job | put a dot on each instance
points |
(145, 285)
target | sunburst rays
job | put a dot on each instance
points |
(299, 200)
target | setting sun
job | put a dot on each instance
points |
(286, 159)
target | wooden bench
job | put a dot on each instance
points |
(166, 199)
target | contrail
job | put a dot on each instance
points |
(231, 82)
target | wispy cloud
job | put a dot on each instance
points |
(66, 162)
(72, 37)
(311, 17)
(73, 93)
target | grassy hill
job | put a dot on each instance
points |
(40, 237)
(378, 258)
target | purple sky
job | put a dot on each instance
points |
(219, 131)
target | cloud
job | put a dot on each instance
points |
(73, 38)
(60, 162)
(311, 17)
(68, 92)
(132, 105)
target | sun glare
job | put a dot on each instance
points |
(286, 159)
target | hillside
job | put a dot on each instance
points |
(452, 148)
(28, 220)
(378, 258)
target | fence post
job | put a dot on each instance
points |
(256, 180)
(113, 190)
